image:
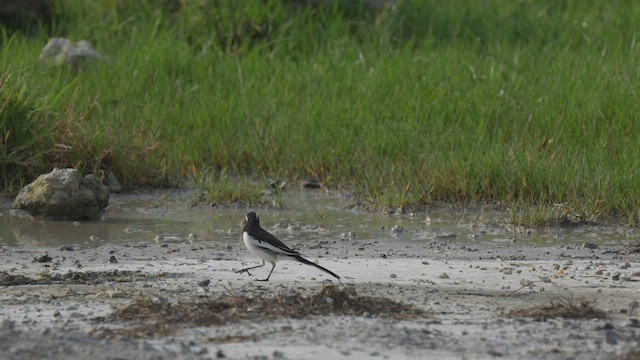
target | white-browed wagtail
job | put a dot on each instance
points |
(268, 248)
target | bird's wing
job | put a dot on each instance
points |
(272, 243)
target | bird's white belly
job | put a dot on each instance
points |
(263, 254)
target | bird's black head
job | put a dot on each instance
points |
(252, 219)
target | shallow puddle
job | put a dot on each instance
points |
(166, 217)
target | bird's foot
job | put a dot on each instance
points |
(243, 271)
(267, 279)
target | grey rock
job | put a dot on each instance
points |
(61, 51)
(111, 182)
(43, 258)
(63, 194)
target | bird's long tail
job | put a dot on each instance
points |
(305, 261)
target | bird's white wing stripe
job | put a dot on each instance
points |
(265, 245)
(268, 247)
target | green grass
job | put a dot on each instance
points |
(524, 103)
(217, 189)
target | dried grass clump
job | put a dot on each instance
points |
(566, 308)
(162, 318)
(74, 277)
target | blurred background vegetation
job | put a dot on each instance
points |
(529, 104)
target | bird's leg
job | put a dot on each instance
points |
(249, 268)
(268, 276)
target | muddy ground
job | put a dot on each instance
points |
(440, 299)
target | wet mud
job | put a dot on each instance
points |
(447, 289)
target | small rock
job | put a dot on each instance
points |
(526, 283)
(397, 229)
(115, 294)
(61, 51)
(446, 236)
(111, 182)
(113, 260)
(586, 245)
(393, 276)
(443, 276)
(204, 283)
(311, 184)
(43, 258)
(202, 351)
(615, 276)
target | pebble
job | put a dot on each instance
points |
(615, 276)
(113, 260)
(43, 258)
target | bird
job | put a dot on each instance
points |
(268, 248)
